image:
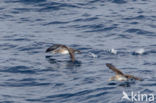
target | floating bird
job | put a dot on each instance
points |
(62, 49)
(119, 75)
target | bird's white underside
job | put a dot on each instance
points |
(122, 79)
(65, 52)
(62, 52)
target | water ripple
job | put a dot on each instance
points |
(105, 31)
(19, 69)
(55, 6)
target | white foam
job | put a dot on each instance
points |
(92, 55)
(113, 51)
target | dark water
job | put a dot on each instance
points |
(97, 28)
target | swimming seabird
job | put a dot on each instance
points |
(120, 76)
(62, 49)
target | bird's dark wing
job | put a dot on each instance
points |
(71, 53)
(132, 77)
(113, 68)
(54, 47)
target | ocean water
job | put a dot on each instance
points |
(121, 32)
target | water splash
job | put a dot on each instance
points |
(139, 51)
(113, 51)
(92, 55)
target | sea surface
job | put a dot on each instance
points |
(121, 32)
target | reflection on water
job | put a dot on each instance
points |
(62, 64)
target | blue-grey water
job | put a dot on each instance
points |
(121, 32)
